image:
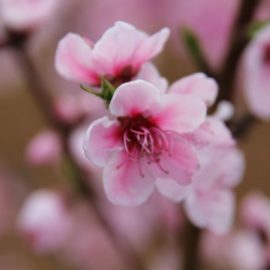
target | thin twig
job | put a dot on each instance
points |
(191, 251)
(242, 126)
(238, 42)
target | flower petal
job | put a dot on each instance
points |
(149, 73)
(102, 138)
(199, 85)
(213, 210)
(151, 46)
(117, 46)
(74, 59)
(172, 190)
(213, 132)
(126, 182)
(179, 163)
(179, 113)
(133, 98)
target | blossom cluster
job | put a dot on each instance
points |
(154, 135)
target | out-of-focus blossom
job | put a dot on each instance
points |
(141, 225)
(117, 56)
(224, 111)
(256, 79)
(26, 15)
(255, 213)
(89, 246)
(240, 250)
(44, 149)
(210, 203)
(146, 143)
(44, 221)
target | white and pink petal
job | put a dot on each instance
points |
(126, 181)
(179, 113)
(74, 59)
(101, 140)
(197, 84)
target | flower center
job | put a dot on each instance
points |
(142, 137)
(126, 74)
(266, 55)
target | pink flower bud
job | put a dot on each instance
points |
(25, 15)
(44, 221)
(44, 149)
(255, 212)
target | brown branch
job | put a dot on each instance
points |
(241, 127)
(191, 251)
(239, 40)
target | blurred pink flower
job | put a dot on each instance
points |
(255, 213)
(240, 250)
(256, 79)
(24, 15)
(141, 225)
(146, 141)
(209, 200)
(44, 149)
(89, 246)
(118, 55)
(44, 221)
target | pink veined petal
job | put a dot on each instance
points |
(117, 46)
(213, 210)
(126, 182)
(179, 163)
(212, 132)
(233, 166)
(179, 113)
(172, 190)
(149, 73)
(102, 138)
(199, 85)
(151, 46)
(73, 59)
(133, 98)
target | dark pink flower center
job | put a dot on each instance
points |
(125, 74)
(143, 138)
(266, 55)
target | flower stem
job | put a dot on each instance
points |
(239, 40)
(191, 251)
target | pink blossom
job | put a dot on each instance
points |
(211, 203)
(44, 149)
(240, 250)
(197, 84)
(117, 56)
(21, 15)
(255, 213)
(256, 79)
(146, 142)
(44, 221)
(209, 200)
